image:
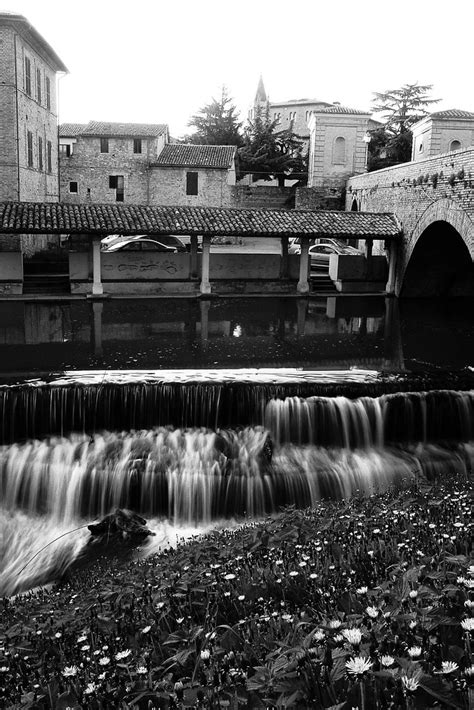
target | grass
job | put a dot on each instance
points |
(367, 603)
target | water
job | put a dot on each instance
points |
(202, 413)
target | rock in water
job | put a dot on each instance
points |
(122, 525)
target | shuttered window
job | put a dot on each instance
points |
(191, 183)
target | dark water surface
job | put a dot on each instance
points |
(333, 333)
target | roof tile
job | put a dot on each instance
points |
(141, 130)
(196, 156)
(61, 218)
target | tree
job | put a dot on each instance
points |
(270, 154)
(217, 123)
(400, 108)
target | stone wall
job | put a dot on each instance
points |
(168, 187)
(273, 197)
(327, 197)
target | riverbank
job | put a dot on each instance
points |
(349, 604)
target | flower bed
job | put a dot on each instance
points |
(368, 603)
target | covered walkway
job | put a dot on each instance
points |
(90, 223)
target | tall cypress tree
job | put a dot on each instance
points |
(217, 123)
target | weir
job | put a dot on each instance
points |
(189, 448)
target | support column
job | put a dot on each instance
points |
(303, 285)
(284, 258)
(97, 308)
(205, 283)
(193, 259)
(392, 264)
(204, 306)
(97, 288)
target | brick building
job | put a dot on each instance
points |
(442, 132)
(28, 113)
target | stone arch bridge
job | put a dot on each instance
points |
(433, 200)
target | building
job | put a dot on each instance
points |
(108, 162)
(28, 110)
(135, 163)
(442, 132)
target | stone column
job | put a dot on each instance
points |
(205, 283)
(97, 288)
(284, 258)
(193, 259)
(392, 264)
(303, 285)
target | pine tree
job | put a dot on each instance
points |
(217, 123)
(400, 108)
(270, 154)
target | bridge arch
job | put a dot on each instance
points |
(438, 258)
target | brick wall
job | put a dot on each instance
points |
(409, 189)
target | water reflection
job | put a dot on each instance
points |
(334, 332)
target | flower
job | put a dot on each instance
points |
(104, 661)
(411, 683)
(122, 654)
(141, 670)
(358, 665)
(414, 651)
(354, 636)
(241, 597)
(372, 611)
(319, 635)
(387, 661)
(448, 667)
(229, 576)
(205, 654)
(293, 573)
(362, 590)
(334, 624)
(58, 635)
(180, 620)
(70, 671)
(469, 671)
(146, 629)
(90, 687)
(413, 594)
(468, 624)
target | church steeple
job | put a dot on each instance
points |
(261, 95)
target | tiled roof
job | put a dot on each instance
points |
(60, 218)
(452, 113)
(139, 130)
(342, 109)
(296, 102)
(196, 156)
(71, 130)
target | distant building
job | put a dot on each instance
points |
(28, 110)
(135, 163)
(442, 132)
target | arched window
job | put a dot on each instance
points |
(339, 151)
(455, 145)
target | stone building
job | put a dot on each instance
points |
(28, 113)
(108, 162)
(442, 132)
(135, 163)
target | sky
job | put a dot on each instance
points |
(160, 61)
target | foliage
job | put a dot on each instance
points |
(363, 603)
(269, 153)
(400, 108)
(216, 123)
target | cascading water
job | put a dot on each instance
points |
(296, 450)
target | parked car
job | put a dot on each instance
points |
(143, 242)
(319, 254)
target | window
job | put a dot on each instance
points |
(38, 85)
(137, 145)
(455, 145)
(116, 183)
(28, 76)
(49, 161)
(40, 153)
(73, 186)
(191, 183)
(420, 148)
(65, 149)
(29, 148)
(339, 151)
(104, 145)
(48, 92)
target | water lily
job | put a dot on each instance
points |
(358, 665)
